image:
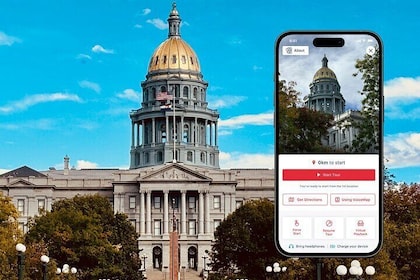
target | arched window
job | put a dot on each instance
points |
(185, 92)
(212, 162)
(195, 93)
(163, 133)
(154, 93)
(159, 156)
(203, 157)
(186, 134)
(189, 156)
(162, 89)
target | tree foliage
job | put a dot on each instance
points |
(84, 232)
(9, 236)
(368, 128)
(299, 129)
(245, 240)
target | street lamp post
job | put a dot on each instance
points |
(143, 269)
(355, 270)
(276, 270)
(66, 270)
(204, 266)
(20, 248)
(44, 260)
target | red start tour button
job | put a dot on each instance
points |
(328, 174)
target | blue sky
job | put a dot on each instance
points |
(70, 72)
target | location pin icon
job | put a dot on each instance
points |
(313, 161)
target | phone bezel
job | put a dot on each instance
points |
(380, 163)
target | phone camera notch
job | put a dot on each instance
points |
(328, 42)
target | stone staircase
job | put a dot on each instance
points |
(184, 275)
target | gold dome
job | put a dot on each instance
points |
(173, 54)
(324, 71)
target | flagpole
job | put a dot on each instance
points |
(174, 136)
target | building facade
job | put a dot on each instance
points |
(174, 165)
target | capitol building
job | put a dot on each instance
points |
(174, 165)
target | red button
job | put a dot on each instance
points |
(328, 174)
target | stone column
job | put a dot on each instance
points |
(207, 212)
(153, 131)
(143, 139)
(142, 213)
(183, 211)
(165, 211)
(200, 212)
(148, 212)
(132, 134)
(233, 202)
(215, 134)
(227, 204)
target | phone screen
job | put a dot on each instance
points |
(329, 115)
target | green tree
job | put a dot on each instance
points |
(244, 241)
(402, 229)
(9, 236)
(85, 233)
(368, 127)
(299, 129)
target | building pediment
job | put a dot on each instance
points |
(175, 172)
(20, 183)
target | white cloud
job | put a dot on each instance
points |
(249, 119)
(36, 124)
(402, 98)
(83, 56)
(226, 101)
(90, 85)
(35, 99)
(129, 94)
(138, 26)
(402, 149)
(84, 164)
(158, 23)
(244, 160)
(146, 11)
(100, 49)
(402, 87)
(7, 40)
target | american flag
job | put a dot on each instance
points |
(161, 96)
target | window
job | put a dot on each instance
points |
(203, 157)
(191, 202)
(189, 156)
(216, 223)
(156, 227)
(185, 92)
(41, 205)
(21, 206)
(238, 203)
(216, 202)
(185, 134)
(164, 59)
(157, 202)
(133, 223)
(132, 202)
(174, 59)
(183, 59)
(157, 60)
(192, 61)
(159, 156)
(191, 227)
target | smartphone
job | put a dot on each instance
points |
(329, 144)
